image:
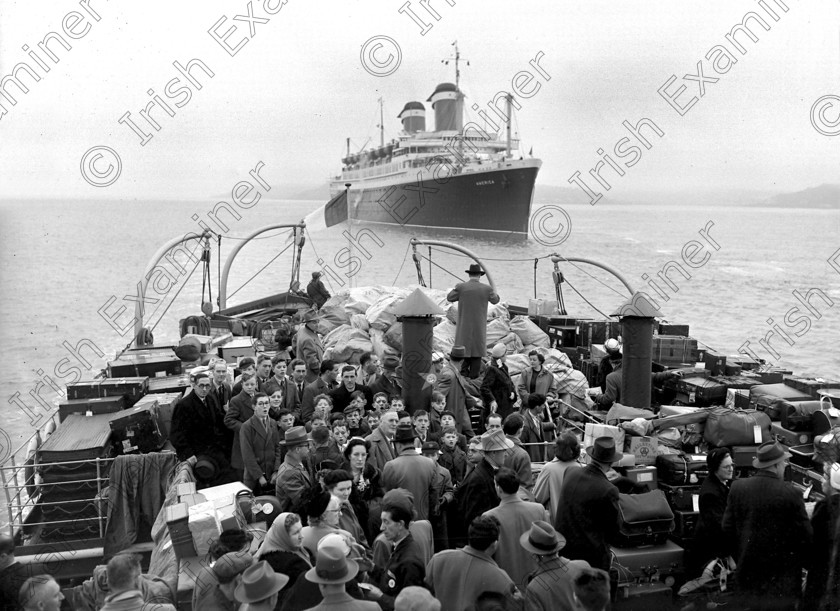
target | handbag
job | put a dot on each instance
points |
(644, 519)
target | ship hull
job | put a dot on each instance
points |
(496, 199)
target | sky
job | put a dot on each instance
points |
(302, 82)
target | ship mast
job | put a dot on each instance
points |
(509, 109)
(460, 98)
(381, 124)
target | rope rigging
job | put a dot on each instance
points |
(259, 271)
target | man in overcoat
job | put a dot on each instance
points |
(515, 517)
(317, 291)
(471, 331)
(588, 517)
(411, 471)
(457, 390)
(766, 518)
(198, 432)
(381, 441)
(309, 346)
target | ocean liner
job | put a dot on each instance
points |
(454, 176)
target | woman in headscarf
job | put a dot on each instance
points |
(714, 493)
(283, 549)
(366, 493)
(497, 389)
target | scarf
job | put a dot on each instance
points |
(277, 539)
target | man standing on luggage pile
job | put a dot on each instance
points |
(766, 519)
(473, 298)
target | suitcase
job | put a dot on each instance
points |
(739, 382)
(669, 328)
(136, 430)
(803, 455)
(730, 427)
(131, 387)
(152, 365)
(699, 391)
(643, 597)
(95, 406)
(685, 523)
(643, 519)
(681, 469)
(765, 395)
(169, 384)
(645, 475)
(742, 456)
(645, 562)
(715, 362)
(798, 415)
(682, 498)
(789, 438)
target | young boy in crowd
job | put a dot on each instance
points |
(380, 402)
(447, 419)
(246, 365)
(453, 458)
(259, 440)
(356, 427)
(421, 427)
(397, 404)
(372, 420)
(339, 433)
(324, 450)
(444, 495)
(403, 417)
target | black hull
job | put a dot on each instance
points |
(498, 200)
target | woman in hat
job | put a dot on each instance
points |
(323, 512)
(714, 493)
(339, 483)
(497, 389)
(366, 492)
(283, 549)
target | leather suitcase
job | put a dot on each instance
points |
(644, 519)
(131, 387)
(169, 384)
(699, 391)
(137, 365)
(742, 456)
(685, 523)
(727, 427)
(803, 455)
(136, 431)
(681, 498)
(646, 562)
(95, 405)
(765, 395)
(789, 437)
(681, 469)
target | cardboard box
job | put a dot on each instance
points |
(204, 525)
(230, 514)
(644, 449)
(542, 307)
(224, 491)
(186, 488)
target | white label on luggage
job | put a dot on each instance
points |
(834, 412)
(695, 457)
(645, 477)
(691, 397)
(757, 433)
(695, 502)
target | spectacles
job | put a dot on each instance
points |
(204, 385)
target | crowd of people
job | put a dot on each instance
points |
(379, 508)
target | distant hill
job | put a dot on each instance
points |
(824, 196)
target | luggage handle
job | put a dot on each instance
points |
(832, 411)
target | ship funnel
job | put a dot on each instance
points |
(446, 102)
(413, 117)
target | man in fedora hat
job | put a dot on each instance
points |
(551, 585)
(332, 570)
(766, 519)
(316, 290)
(515, 516)
(477, 493)
(588, 517)
(388, 381)
(411, 471)
(259, 587)
(471, 331)
(308, 346)
(294, 478)
(460, 393)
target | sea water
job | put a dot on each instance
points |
(69, 266)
